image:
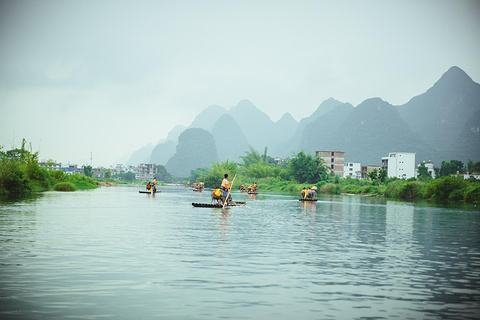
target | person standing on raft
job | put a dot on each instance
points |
(225, 187)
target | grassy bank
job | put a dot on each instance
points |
(17, 177)
(452, 188)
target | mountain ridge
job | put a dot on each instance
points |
(438, 124)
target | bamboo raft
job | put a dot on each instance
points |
(217, 205)
(303, 199)
(149, 191)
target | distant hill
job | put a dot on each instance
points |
(467, 144)
(208, 117)
(230, 140)
(142, 155)
(372, 130)
(175, 133)
(294, 144)
(162, 152)
(320, 134)
(255, 124)
(441, 124)
(440, 114)
(283, 129)
(196, 149)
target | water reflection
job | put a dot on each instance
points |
(115, 253)
(310, 206)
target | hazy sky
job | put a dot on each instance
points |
(109, 77)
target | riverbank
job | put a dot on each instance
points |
(451, 188)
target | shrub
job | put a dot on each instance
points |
(442, 188)
(393, 188)
(12, 177)
(330, 188)
(473, 194)
(410, 190)
(65, 186)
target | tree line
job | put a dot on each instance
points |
(304, 170)
(20, 173)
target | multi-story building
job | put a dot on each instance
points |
(97, 172)
(400, 165)
(352, 170)
(146, 171)
(366, 169)
(335, 160)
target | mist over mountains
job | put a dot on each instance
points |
(441, 124)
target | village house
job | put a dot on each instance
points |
(335, 161)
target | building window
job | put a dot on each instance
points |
(331, 166)
(333, 153)
(333, 160)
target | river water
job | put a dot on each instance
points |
(113, 253)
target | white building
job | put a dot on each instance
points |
(352, 170)
(400, 165)
(430, 167)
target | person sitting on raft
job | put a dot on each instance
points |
(304, 192)
(217, 195)
(255, 187)
(309, 193)
(314, 192)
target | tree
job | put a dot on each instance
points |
(129, 176)
(87, 170)
(422, 172)
(382, 176)
(473, 167)
(107, 174)
(373, 175)
(162, 174)
(215, 175)
(452, 167)
(306, 168)
(50, 163)
(198, 174)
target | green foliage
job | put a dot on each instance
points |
(216, 174)
(422, 172)
(125, 176)
(107, 174)
(450, 188)
(452, 167)
(330, 188)
(12, 177)
(87, 170)
(393, 188)
(472, 195)
(258, 166)
(162, 174)
(473, 167)
(20, 173)
(65, 186)
(129, 176)
(198, 174)
(410, 190)
(307, 169)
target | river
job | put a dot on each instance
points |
(113, 253)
